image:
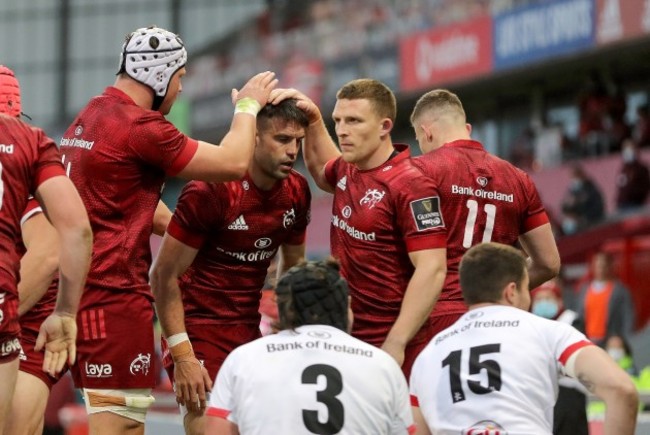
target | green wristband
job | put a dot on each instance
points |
(247, 105)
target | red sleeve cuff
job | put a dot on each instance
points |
(572, 349)
(414, 401)
(217, 412)
(534, 221)
(181, 234)
(433, 241)
(48, 171)
(183, 157)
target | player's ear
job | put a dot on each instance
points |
(386, 126)
(510, 293)
(468, 126)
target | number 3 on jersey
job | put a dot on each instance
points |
(491, 212)
(327, 396)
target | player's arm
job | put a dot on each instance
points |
(421, 427)
(68, 216)
(421, 295)
(220, 426)
(161, 218)
(290, 255)
(543, 256)
(230, 160)
(190, 377)
(603, 377)
(40, 262)
(318, 146)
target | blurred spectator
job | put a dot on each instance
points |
(569, 413)
(641, 130)
(605, 303)
(633, 179)
(583, 204)
(593, 104)
(522, 150)
(619, 349)
(616, 127)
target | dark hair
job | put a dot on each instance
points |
(486, 269)
(380, 96)
(286, 110)
(313, 293)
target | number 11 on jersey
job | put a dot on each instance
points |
(491, 212)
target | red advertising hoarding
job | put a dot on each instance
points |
(618, 20)
(447, 54)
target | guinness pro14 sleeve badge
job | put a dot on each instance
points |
(426, 213)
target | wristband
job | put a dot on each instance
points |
(177, 339)
(247, 105)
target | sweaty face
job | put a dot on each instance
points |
(175, 88)
(359, 130)
(278, 144)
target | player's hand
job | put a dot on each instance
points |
(395, 350)
(58, 335)
(191, 380)
(258, 87)
(192, 383)
(304, 103)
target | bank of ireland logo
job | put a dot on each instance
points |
(245, 185)
(78, 130)
(262, 243)
(140, 365)
(2, 301)
(372, 197)
(346, 212)
(482, 181)
(289, 218)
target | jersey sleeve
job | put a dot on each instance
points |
(222, 398)
(419, 211)
(404, 416)
(331, 169)
(49, 160)
(535, 214)
(303, 215)
(32, 209)
(566, 341)
(156, 141)
(199, 209)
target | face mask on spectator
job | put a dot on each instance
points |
(569, 226)
(576, 184)
(616, 353)
(628, 155)
(546, 308)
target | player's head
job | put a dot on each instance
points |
(364, 116)
(313, 293)
(156, 58)
(280, 131)
(494, 273)
(9, 92)
(438, 117)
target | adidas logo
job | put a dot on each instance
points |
(238, 224)
(342, 182)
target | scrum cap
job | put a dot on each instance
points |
(9, 92)
(151, 56)
(318, 293)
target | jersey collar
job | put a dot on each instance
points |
(464, 143)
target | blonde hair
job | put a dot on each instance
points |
(380, 96)
(439, 100)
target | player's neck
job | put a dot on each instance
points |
(262, 181)
(383, 153)
(140, 94)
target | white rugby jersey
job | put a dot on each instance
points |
(495, 369)
(315, 379)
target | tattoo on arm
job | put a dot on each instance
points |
(586, 383)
